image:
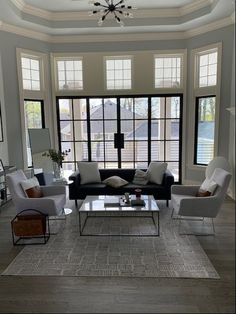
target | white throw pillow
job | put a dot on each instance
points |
(140, 177)
(89, 172)
(115, 181)
(208, 185)
(156, 171)
(31, 188)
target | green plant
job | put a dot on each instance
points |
(56, 156)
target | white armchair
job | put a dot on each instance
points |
(52, 203)
(186, 204)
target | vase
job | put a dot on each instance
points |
(56, 170)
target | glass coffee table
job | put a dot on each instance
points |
(106, 204)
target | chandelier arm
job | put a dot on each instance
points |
(104, 15)
(118, 3)
(121, 1)
(117, 17)
(104, 6)
(120, 8)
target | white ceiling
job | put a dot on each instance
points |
(80, 5)
(70, 17)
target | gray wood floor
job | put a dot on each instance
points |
(124, 295)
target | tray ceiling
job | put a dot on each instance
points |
(70, 17)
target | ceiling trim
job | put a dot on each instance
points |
(24, 32)
(141, 13)
(117, 37)
(210, 27)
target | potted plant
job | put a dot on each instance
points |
(57, 158)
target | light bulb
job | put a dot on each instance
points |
(100, 22)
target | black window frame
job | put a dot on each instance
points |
(41, 101)
(118, 99)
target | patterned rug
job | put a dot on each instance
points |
(68, 254)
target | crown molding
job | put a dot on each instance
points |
(116, 37)
(83, 15)
(209, 27)
(24, 32)
(32, 10)
(195, 6)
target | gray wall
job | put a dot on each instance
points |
(9, 43)
(226, 36)
(3, 144)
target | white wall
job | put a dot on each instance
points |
(232, 130)
(3, 145)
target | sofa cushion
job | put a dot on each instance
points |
(89, 172)
(156, 171)
(140, 177)
(126, 174)
(115, 182)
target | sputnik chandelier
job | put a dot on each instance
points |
(116, 7)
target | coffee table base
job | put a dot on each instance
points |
(157, 226)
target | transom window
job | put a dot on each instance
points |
(70, 74)
(118, 73)
(207, 68)
(30, 73)
(168, 71)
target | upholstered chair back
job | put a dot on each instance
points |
(13, 183)
(222, 178)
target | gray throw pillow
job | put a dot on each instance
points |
(140, 177)
(89, 172)
(156, 171)
(115, 181)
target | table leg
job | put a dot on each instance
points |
(80, 233)
(158, 223)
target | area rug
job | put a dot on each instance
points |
(68, 254)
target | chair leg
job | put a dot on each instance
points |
(167, 203)
(199, 234)
(213, 226)
(180, 220)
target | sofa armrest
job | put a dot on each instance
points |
(168, 179)
(74, 187)
(75, 176)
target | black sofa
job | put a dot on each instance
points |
(80, 191)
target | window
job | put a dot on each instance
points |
(34, 118)
(118, 73)
(205, 129)
(168, 71)
(69, 74)
(123, 132)
(207, 68)
(205, 90)
(30, 73)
